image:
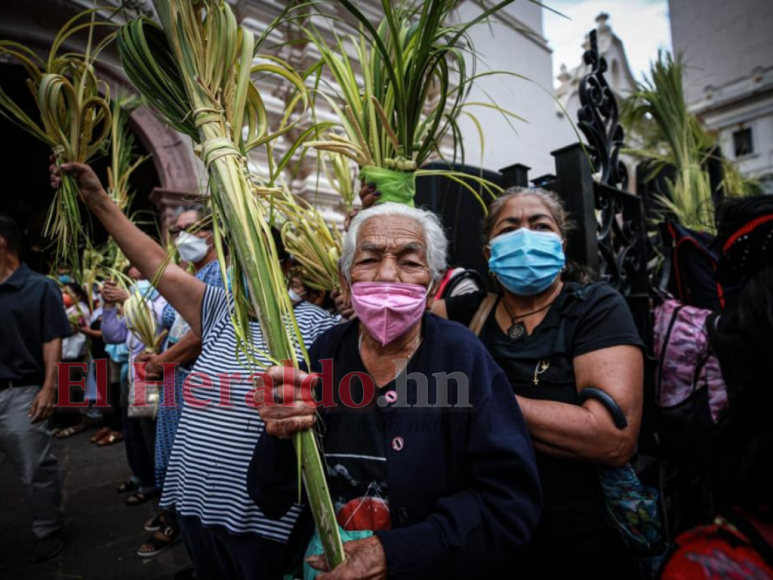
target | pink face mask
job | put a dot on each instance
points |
(388, 310)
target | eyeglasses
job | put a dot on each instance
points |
(191, 229)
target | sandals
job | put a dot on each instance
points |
(70, 431)
(154, 524)
(159, 542)
(110, 439)
(139, 498)
(103, 432)
(128, 486)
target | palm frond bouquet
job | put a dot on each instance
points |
(340, 175)
(678, 140)
(416, 69)
(73, 118)
(314, 243)
(124, 161)
(106, 261)
(195, 69)
(141, 320)
(671, 135)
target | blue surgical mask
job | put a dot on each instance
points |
(144, 288)
(526, 262)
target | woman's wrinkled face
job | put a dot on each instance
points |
(188, 221)
(524, 211)
(391, 249)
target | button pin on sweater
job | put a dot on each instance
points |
(398, 444)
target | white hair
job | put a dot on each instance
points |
(435, 240)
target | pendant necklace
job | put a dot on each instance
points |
(518, 329)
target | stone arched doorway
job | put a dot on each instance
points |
(165, 180)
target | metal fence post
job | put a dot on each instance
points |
(574, 185)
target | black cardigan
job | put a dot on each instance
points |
(463, 497)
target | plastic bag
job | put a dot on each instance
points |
(315, 548)
(395, 186)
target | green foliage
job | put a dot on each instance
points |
(670, 135)
(408, 86)
(74, 119)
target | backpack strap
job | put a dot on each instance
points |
(485, 308)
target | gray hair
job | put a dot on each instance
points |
(549, 199)
(434, 236)
(204, 213)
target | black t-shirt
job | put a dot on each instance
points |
(357, 471)
(31, 313)
(540, 366)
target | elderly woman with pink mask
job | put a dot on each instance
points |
(429, 462)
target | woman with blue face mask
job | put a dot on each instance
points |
(554, 338)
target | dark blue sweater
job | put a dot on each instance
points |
(464, 493)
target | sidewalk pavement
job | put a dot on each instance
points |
(102, 534)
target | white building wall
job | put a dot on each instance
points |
(742, 105)
(721, 41)
(514, 42)
(729, 74)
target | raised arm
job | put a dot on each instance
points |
(184, 292)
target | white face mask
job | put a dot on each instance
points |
(294, 296)
(191, 248)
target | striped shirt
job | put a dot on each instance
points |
(207, 473)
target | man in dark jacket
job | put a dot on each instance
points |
(32, 325)
(429, 462)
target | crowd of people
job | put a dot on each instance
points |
(465, 434)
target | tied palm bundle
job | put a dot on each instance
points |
(74, 119)
(312, 242)
(396, 119)
(107, 262)
(195, 69)
(338, 171)
(671, 135)
(141, 320)
(93, 262)
(123, 159)
(123, 163)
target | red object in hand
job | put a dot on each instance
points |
(365, 513)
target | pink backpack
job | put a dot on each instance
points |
(690, 390)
